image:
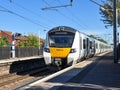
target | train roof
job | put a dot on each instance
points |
(69, 29)
(63, 28)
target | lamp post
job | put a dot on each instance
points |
(115, 32)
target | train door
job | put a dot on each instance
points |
(99, 48)
(96, 48)
(87, 47)
(84, 48)
(92, 46)
(80, 48)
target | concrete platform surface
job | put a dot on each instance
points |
(102, 75)
(19, 59)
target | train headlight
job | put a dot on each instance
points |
(73, 50)
(47, 50)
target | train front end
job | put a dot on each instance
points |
(58, 46)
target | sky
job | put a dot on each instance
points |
(27, 16)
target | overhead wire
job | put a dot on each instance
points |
(75, 17)
(67, 17)
(25, 18)
(32, 12)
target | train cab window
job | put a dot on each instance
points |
(60, 40)
(84, 44)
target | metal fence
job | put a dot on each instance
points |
(5, 52)
(26, 51)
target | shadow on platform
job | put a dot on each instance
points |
(26, 65)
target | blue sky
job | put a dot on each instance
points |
(27, 17)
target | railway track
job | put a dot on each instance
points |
(15, 80)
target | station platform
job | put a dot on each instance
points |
(100, 74)
(15, 65)
(19, 59)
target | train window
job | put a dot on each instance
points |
(84, 44)
(87, 43)
(90, 44)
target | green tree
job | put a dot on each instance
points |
(102, 40)
(22, 43)
(107, 12)
(92, 36)
(98, 38)
(42, 43)
(33, 40)
(4, 41)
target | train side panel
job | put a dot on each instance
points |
(46, 51)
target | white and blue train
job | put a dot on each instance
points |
(67, 46)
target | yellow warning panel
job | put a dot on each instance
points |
(59, 52)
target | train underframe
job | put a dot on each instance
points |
(59, 62)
